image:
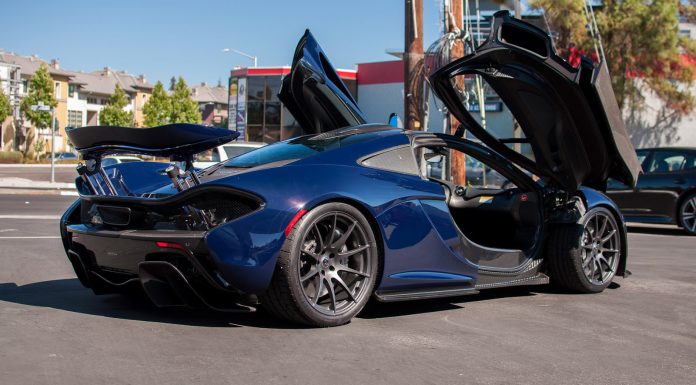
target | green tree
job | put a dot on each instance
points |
(40, 91)
(158, 107)
(5, 109)
(641, 43)
(184, 108)
(113, 113)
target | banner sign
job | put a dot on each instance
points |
(232, 105)
(241, 109)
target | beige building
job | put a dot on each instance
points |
(212, 102)
(80, 96)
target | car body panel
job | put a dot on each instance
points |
(569, 116)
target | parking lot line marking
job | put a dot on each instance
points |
(18, 216)
(34, 237)
(69, 193)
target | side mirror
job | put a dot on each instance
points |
(395, 121)
(433, 157)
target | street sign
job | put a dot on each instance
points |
(41, 107)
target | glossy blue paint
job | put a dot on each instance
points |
(246, 249)
(138, 177)
(433, 276)
(593, 198)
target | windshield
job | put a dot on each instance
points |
(232, 151)
(300, 148)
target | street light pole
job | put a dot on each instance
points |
(53, 145)
(252, 57)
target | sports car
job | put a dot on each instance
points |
(313, 227)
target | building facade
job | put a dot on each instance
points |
(258, 114)
(80, 97)
(213, 104)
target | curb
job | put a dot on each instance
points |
(38, 165)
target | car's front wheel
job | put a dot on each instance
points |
(687, 214)
(327, 268)
(585, 258)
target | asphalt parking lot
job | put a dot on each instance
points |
(53, 331)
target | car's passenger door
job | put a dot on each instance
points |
(627, 197)
(663, 182)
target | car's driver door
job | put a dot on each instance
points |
(494, 204)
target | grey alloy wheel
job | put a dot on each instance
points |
(687, 214)
(601, 245)
(334, 264)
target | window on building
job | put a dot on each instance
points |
(56, 91)
(71, 90)
(74, 118)
(263, 109)
(25, 86)
(92, 100)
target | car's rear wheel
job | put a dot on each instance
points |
(585, 258)
(327, 268)
(687, 214)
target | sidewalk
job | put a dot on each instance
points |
(12, 185)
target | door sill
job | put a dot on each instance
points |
(409, 295)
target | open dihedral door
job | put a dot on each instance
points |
(569, 116)
(179, 142)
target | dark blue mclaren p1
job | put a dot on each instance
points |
(313, 227)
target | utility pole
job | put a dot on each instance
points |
(518, 9)
(457, 164)
(413, 64)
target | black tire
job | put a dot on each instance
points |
(317, 281)
(687, 212)
(577, 258)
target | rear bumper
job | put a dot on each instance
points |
(172, 267)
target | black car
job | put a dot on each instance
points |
(666, 191)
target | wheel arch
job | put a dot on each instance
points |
(680, 200)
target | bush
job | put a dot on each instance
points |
(10, 157)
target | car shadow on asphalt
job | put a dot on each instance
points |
(376, 309)
(70, 295)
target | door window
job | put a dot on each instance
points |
(476, 173)
(667, 161)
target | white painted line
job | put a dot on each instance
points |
(35, 237)
(11, 216)
(70, 193)
(7, 230)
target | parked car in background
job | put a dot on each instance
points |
(666, 191)
(63, 156)
(224, 152)
(112, 160)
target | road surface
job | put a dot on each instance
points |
(54, 331)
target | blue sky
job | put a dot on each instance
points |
(165, 38)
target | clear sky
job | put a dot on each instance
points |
(165, 38)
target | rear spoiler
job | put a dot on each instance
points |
(180, 142)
